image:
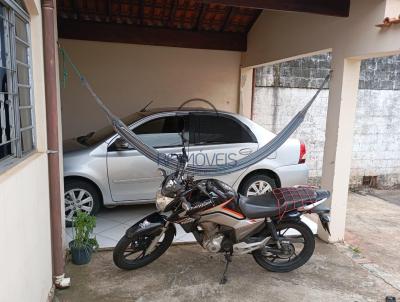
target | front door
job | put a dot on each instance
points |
(133, 177)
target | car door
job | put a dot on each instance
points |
(219, 139)
(133, 177)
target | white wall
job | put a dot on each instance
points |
(128, 76)
(274, 107)
(25, 254)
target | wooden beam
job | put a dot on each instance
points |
(199, 17)
(123, 33)
(338, 8)
(75, 9)
(109, 12)
(227, 18)
(172, 13)
(141, 11)
(250, 25)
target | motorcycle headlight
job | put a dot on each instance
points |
(162, 201)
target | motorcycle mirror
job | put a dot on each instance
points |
(184, 141)
(184, 153)
(162, 172)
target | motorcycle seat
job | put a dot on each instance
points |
(279, 201)
(322, 194)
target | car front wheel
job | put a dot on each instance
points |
(79, 195)
(258, 184)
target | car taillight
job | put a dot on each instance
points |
(303, 152)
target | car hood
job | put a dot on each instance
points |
(72, 144)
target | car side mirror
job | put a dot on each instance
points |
(121, 144)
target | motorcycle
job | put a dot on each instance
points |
(222, 221)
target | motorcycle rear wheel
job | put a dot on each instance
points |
(137, 245)
(291, 233)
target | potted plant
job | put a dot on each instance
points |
(83, 244)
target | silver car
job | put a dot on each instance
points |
(101, 169)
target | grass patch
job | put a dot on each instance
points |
(355, 249)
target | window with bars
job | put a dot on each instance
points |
(16, 108)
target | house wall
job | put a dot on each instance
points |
(128, 76)
(302, 34)
(283, 89)
(25, 256)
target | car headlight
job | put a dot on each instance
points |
(162, 201)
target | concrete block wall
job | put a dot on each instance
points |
(304, 73)
(282, 89)
(376, 144)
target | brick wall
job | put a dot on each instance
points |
(282, 89)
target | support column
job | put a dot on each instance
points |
(246, 91)
(53, 143)
(343, 91)
(392, 9)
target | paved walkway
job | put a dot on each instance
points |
(188, 273)
(373, 230)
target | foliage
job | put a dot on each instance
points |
(83, 225)
(356, 249)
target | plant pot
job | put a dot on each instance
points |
(80, 255)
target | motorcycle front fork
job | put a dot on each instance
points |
(153, 244)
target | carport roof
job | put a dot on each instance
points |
(206, 24)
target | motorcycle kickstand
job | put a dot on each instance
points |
(228, 259)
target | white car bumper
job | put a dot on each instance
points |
(293, 175)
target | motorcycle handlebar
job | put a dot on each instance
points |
(214, 189)
(202, 190)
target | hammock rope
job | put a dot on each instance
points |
(169, 162)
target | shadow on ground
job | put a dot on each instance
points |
(188, 273)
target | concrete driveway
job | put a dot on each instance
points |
(187, 273)
(373, 230)
(366, 268)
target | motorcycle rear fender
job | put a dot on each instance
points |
(324, 217)
(148, 225)
(293, 216)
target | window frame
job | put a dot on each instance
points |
(14, 11)
(148, 119)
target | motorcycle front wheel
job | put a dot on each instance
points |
(130, 253)
(297, 246)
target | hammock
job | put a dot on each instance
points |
(169, 162)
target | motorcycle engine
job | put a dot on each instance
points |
(212, 238)
(213, 244)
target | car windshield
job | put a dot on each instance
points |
(95, 137)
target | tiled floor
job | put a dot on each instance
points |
(111, 224)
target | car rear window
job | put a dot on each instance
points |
(219, 129)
